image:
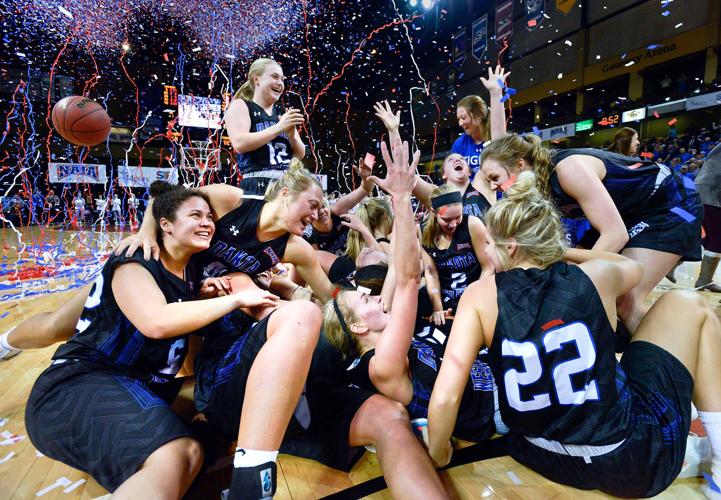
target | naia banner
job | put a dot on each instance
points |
(76, 173)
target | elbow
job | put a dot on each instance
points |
(155, 330)
(239, 144)
(621, 237)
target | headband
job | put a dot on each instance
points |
(375, 271)
(343, 325)
(446, 199)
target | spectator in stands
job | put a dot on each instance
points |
(625, 142)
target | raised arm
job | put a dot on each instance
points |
(387, 369)
(144, 304)
(296, 143)
(345, 203)
(498, 109)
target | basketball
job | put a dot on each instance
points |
(81, 121)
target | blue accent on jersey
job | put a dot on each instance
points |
(132, 349)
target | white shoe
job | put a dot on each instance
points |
(710, 489)
(697, 459)
(6, 350)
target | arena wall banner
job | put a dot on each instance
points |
(459, 48)
(144, 176)
(76, 173)
(703, 101)
(559, 132)
(479, 38)
(504, 21)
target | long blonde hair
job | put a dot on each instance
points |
(297, 179)
(345, 344)
(247, 90)
(513, 147)
(529, 218)
(377, 215)
(478, 109)
(431, 229)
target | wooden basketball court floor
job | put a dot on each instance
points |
(54, 260)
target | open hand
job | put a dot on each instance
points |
(493, 77)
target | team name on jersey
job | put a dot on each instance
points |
(239, 259)
(463, 246)
(267, 124)
(457, 261)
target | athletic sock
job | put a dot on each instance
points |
(254, 474)
(711, 421)
(6, 350)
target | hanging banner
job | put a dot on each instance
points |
(459, 48)
(504, 21)
(479, 37)
(565, 6)
(76, 173)
(534, 14)
(559, 132)
(145, 176)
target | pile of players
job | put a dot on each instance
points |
(316, 329)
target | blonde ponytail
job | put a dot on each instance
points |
(526, 216)
(512, 147)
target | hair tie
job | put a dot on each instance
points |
(446, 199)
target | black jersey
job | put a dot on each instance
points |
(475, 415)
(333, 241)
(235, 244)
(474, 203)
(103, 333)
(276, 154)
(638, 187)
(553, 359)
(457, 265)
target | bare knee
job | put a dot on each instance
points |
(384, 419)
(687, 301)
(301, 319)
(193, 455)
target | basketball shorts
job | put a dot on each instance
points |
(98, 420)
(676, 231)
(651, 457)
(221, 379)
(333, 403)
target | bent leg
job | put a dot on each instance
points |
(685, 325)
(278, 374)
(45, 329)
(406, 465)
(166, 474)
(656, 264)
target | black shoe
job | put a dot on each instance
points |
(253, 482)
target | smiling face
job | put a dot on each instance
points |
(193, 226)
(449, 217)
(369, 309)
(467, 122)
(456, 170)
(324, 224)
(302, 208)
(495, 173)
(271, 83)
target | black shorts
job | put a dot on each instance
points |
(652, 455)
(342, 270)
(663, 230)
(221, 379)
(98, 420)
(333, 403)
(256, 185)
